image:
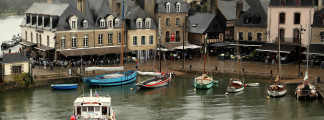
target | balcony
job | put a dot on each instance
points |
(167, 39)
(177, 39)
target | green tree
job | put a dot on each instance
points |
(3, 6)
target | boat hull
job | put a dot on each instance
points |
(200, 85)
(306, 93)
(64, 86)
(235, 90)
(274, 93)
(159, 82)
(129, 77)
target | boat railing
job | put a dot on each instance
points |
(94, 94)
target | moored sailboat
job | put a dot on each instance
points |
(236, 83)
(204, 81)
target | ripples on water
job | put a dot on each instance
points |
(177, 101)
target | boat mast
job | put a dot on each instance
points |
(122, 39)
(279, 60)
(237, 58)
(160, 53)
(205, 53)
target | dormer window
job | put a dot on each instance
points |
(178, 7)
(139, 23)
(73, 22)
(247, 19)
(117, 22)
(167, 7)
(256, 19)
(110, 20)
(102, 22)
(148, 23)
(85, 24)
(282, 2)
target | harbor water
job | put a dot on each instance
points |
(9, 26)
(177, 101)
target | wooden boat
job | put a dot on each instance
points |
(119, 78)
(236, 83)
(93, 106)
(64, 86)
(204, 81)
(306, 90)
(277, 88)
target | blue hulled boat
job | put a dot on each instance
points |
(64, 86)
(111, 79)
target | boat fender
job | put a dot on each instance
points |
(72, 117)
(131, 89)
(226, 93)
(109, 118)
(194, 89)
(268, 97)
(245, 85)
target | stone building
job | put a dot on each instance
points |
(286, 18)
(13, 64)
(76, 28)
(252, 24)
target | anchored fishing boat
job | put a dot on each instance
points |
(160, 79)
(277, 88)
(64, 86)
(93, 106)
(236, 83)
(204, 81)
(119, 78)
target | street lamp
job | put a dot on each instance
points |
(300, 32)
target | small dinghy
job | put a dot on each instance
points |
(252, 84)
(64, 86)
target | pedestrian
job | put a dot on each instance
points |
(136, 65)
(44, 62)
(19, 50)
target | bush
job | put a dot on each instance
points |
(24, 78)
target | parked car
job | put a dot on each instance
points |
(4, 45)
(9, 43)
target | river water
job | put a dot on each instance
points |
(177, 101)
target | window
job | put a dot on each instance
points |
(296, 36)
(323, 19)
(119, 38)
(31, 37)
(178, 21)
(178, 7)
(249, 36)
(256, 19)
(297, 2)
(110, 38)
(150, 52)
(151, 40)
(73, 24)
(167, 36)
(117, 22)
(282, 18)
(85, 41)
(139, 23)
(322, 38)
(259, 36)
(16, 69)
(84, 109)
(240, 35)
(247, 19)
(143, 40)
(97, 109)
(100, 39)
(135, 40)
(282, 35)
(167, 22)
(167, 7)
(40, 38)
(85, 24)
(90, 108)
(297, 18)
(73, 41)
(110, 24)
(63, 41)
(102, 23)
(37, 38)
(26, 35)
(177, 36)
(47, 40)
(143, 53)
(282, 2)
(148, 23)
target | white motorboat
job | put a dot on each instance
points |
(235, 86)
(93, 106)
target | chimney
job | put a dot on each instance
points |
(81, 5)
(49, 1)
(115, 7)
(149, 7)
(212, 6)
(239, 8)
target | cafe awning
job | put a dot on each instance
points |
(44, 48)
(27, 43)
(93, 51)
(271, 47)
(221, 44)
(248, 43)
(179, 45)
(316, 49)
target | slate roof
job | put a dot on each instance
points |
(265, 4)
(291, 3)
(228, 8)
(160, 8)
(47, 9)
(318, 21)
(13, 58)
(203, 22)
(134, 12)
(256, 9)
